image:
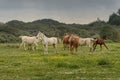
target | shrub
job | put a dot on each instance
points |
(104, 62)
(67, 65)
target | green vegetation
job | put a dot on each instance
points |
(17, 64)
(10, 31)
(114, 18)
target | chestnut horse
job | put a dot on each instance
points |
(66, 40)
(99, 41)
(74, 43)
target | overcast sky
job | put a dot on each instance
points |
(67, 11)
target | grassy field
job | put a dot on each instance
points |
(17, 64)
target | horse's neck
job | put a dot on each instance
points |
(45, 36)
(44, 39)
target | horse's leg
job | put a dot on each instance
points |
(32, 47)
(29, 46)
(105, 45)
(76, 49)
(46, 48)
(90, 47)
(71, 48)
(36, 46)
(55, 46)
(100, 47)
(21, 45)
(94, 47)
(68, 46)
(24, 46)
(63, 46)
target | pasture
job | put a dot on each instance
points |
(17, 64)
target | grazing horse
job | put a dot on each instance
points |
(66, 40)
(74, 43)
(86, 41)
(47, 41)
(99, 41)
(27, 40)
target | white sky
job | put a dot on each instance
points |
(67, 11)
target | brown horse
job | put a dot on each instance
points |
(74, 43)
(66, 40)
(99, 41)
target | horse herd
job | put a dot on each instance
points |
(70, 41)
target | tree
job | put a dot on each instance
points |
(118, 12)
(114, 18)
(110, 32)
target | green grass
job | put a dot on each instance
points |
(17, 64)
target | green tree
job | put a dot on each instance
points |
(118, 12)
(114, 18)
(110, 32)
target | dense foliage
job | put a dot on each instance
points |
(114, 18)
(10, 31)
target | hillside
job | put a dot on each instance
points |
(10, 31)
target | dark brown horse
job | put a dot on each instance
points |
(74, 43)
(66, 40)
(99, 41)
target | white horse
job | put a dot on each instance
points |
(47, 41)
(86, 41)
(27, 40)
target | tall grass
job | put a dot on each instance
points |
(17, 64)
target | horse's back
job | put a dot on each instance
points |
(31, 39)
(28, 39)
(86, 41)
(52, 40)
(74, 40)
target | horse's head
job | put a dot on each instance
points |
(40, 35)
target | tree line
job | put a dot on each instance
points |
(10, 31)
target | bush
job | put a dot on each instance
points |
(104, 62)
(110, 32)
(67, 65)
